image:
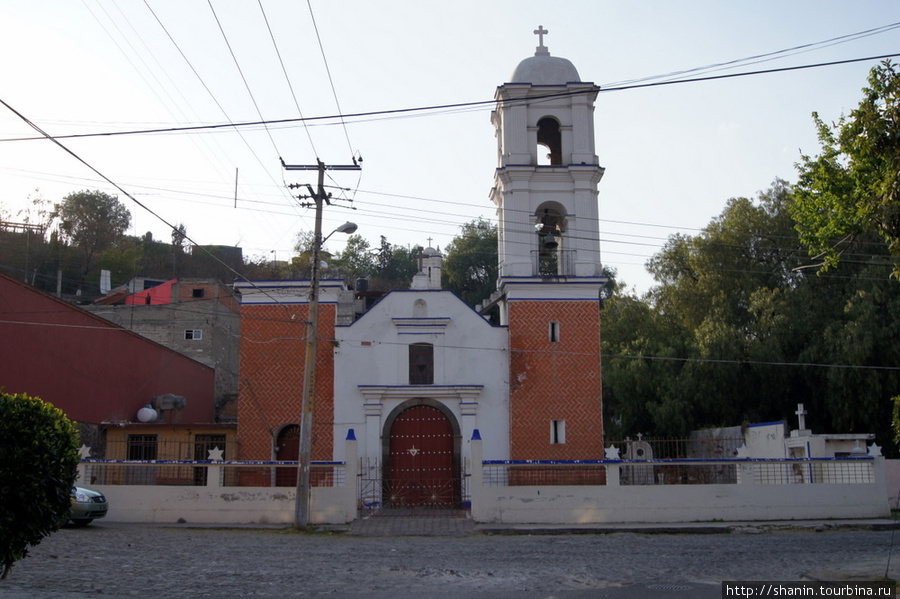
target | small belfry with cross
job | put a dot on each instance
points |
(541, 49)
(801, 416)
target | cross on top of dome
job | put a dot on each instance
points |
(541, 50)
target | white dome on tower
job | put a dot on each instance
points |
(543, 69)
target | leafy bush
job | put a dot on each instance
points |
(38, 466)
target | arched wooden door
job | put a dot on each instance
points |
(287, 448)
(420, 464)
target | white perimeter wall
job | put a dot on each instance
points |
(516, 505)
(612, 503)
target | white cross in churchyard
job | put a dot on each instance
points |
(541, 32)
(801, 416)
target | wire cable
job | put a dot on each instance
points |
(436, 107)
(130, 196)
(241, 72)
(286, 77)
(337, 102)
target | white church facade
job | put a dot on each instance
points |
(420, 374)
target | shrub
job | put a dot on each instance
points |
(38, 466)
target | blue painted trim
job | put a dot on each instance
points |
(440, 318)
(578, 280)
(554, 299)
(259, 284)
(453, 293)
(765, 424)
(274, 303)
(420, 386)
(208, 462)
(673, 461)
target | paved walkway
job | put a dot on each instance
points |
(404, 523)
(457, 523)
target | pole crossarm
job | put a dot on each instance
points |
(319, 166)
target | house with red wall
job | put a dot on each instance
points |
(101, 375)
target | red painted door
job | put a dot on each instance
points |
(421, 459)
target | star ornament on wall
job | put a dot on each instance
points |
(215, 454)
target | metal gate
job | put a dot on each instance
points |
(421, 469)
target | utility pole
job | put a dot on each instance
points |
(304, 458)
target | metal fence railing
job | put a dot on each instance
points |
(158, 447)
(517, 473)
(199, 472)
(687, 471)
(710, 447)
(811, 471)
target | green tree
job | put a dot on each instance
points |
(641, 368)
(737, 332)
(38, 466)
(94, 221)
(853, 186)
(357, 259)
(122, 261)
(471, 265)
(395, 267)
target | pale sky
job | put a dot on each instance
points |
(673, 154)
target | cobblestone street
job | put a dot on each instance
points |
(127, 560)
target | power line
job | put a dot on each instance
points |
(209, 91)
(337, 102)
(769, 56)
(435, 107)
(119, 328)
(127, 194)
(286, 78)
(241, 72)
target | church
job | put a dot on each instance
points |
(419, 374)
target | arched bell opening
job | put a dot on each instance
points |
(549, 258)
(549, 139)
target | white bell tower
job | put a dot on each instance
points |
(545, 187)
(545, 191)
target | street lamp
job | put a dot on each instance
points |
(301, 511)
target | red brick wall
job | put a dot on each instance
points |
(273, 349)
(555, 381)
